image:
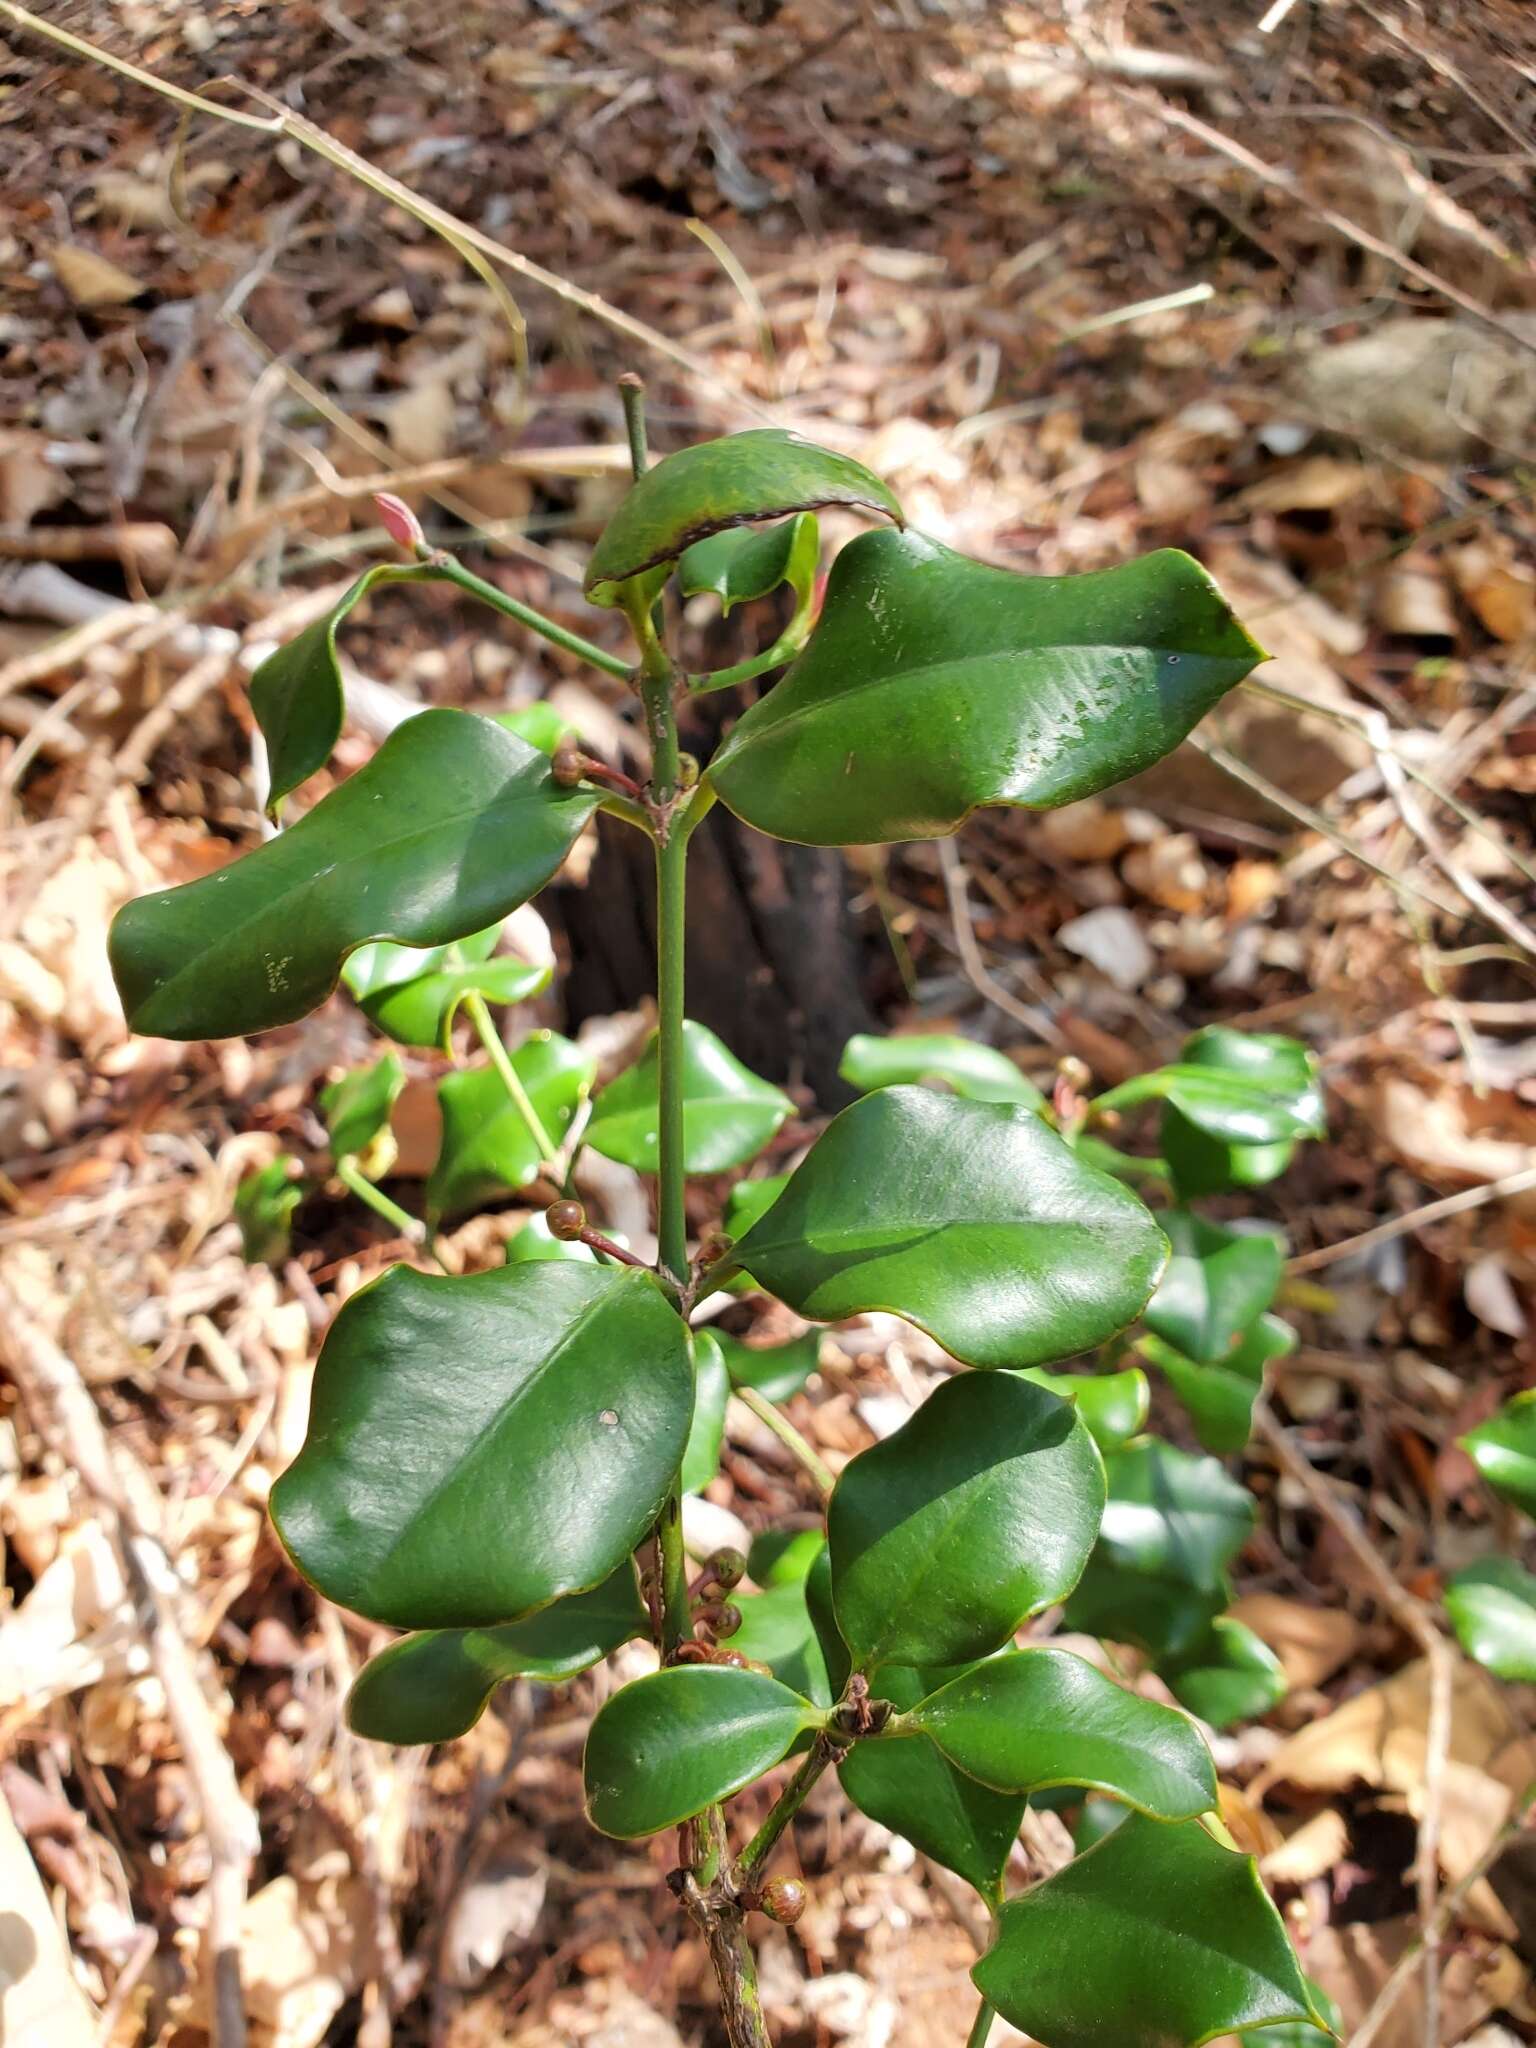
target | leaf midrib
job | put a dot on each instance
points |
(601, 1302)
(776, 720)
(199, 967)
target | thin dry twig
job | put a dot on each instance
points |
(1280, 180)
(1415, 1219)
(1038, 1022)
(68, 1418)
(1417, 1621)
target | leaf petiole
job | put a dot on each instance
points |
(409, 1226)
(823, 1751)
(453, 571)
(797, 1446)
(981, 2026)
(490, 1038)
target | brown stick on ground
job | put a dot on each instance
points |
(68, 1418)
(1417, 1621)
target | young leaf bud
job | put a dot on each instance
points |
(566, 1220)
(726, 1568)
(783, 1900)
(567, 766)
(399, 522)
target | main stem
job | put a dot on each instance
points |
(721, 1922)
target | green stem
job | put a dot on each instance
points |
(981, 2026)
(632, 398)
(790, 1437)
(676, 1623)
(454, 572)
(789, 1802)
(491, 1039)
(672, 1225)
(409, 1226)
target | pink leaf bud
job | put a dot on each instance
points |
(399, 522)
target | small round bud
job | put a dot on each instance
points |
(399, 521)
(727, 1568)
(736, 1661)
(1075, 1072)
(566, 1220)
(782, 1899)
(724, 1620)
(567, 765)
(752, 1664)
(688, 770)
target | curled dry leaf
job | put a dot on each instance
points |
(1311, 1642)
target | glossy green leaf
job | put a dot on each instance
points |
(1156, 1938)
(1113, 1405)
(911, 1788)
(750, 1199)
(1492, 1605)
(357, 1107)
(296, 694)
(979, 1511)
(1096, 1818)
(1302, 2033)
(1200, 1165)
(1218, 1283)
(664, 1748)
(412, 993)
(541, 725)
(534, 1245)
(1244, 1092)
(1172, 1525)
(1219, 1398)
(1036, 1718)
(452, 824)
(711, 1391)
(487, 1148)
(264, 1204)
(729, 1113)
(777, 1630)
(1504, 1451)
(739, 565)
(979, 1072)
(1229, 1675)
(777, 1371)
(435, 1685)
(480, 1447)
(971, 1219)
(933, 684)
(718, 484)
(818, 1601)
(784, 1557)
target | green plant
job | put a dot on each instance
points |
(495, 1462)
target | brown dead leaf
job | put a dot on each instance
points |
(420, 421)
(1320, 483)
(1378, 1737)
(1308, 1851)
(1311, 1642)
(1170, 490)
(39, 1999)
(90, 279)
(1352, 1963)
(307, 1948)
(1500, 590)
(29, 481)
(1411, 599)
(1432, 1133)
